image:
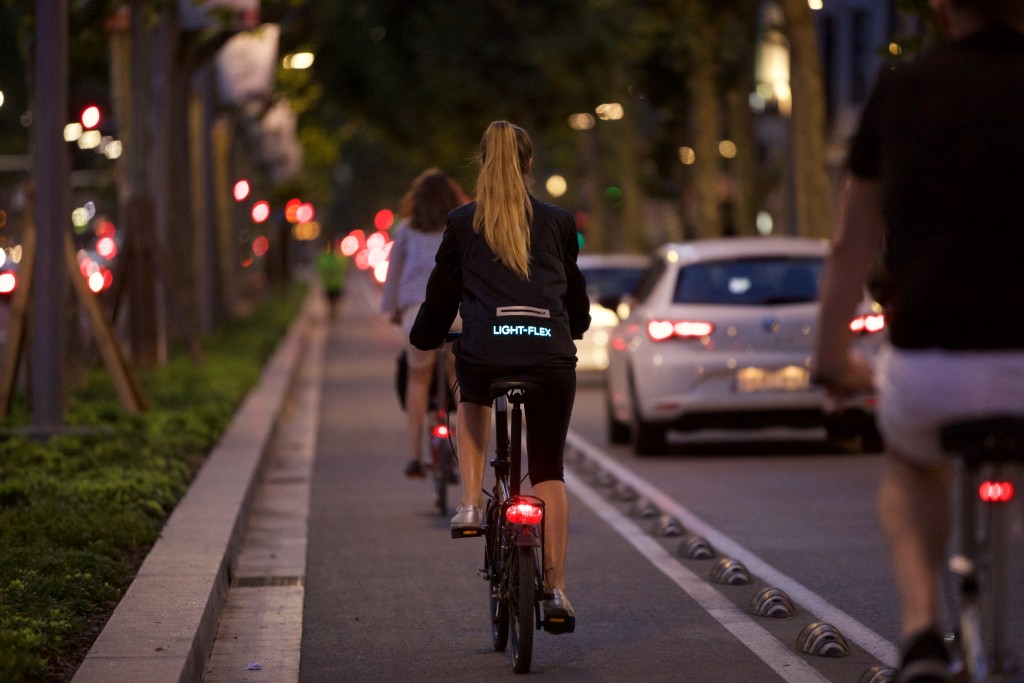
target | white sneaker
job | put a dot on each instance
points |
(467, 517)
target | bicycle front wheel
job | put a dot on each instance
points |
(522, 611)
(442, 474)
(496, 582)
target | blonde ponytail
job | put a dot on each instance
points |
(503, 212)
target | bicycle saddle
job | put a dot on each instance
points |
(501, 388)
(990, 438)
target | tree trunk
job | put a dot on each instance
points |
(706, 128)
(812, 191)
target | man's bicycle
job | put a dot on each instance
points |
(514, 537)
(988, 483)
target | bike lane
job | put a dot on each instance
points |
(389, 596)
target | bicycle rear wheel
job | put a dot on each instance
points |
(522, 610)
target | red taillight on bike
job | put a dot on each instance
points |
(996, 491)
(524, 512)
(440, 431)
(660, 330)
(868, 324)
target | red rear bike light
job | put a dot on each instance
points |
(524, 512)
(660, 330)
(996, 491)
(440, 431)
(868, 324)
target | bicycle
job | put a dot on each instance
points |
(442, 450)
(514, 538)
(988, 473)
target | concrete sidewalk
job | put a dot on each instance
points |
(163, 629)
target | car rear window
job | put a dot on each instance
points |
(611, 282)
(750, 282)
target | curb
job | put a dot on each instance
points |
(164, 627)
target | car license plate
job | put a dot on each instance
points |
(789, 378)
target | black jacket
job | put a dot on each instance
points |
(507, 320)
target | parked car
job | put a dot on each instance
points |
(609, 278)
(719, 335)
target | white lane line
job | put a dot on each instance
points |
(880, 648)
(766, 647)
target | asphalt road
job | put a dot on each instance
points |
(389, 596)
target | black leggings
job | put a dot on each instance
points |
(547, 415)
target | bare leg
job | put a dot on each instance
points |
(473, 431)
(417, 391)
(914, 508)
(556, 531)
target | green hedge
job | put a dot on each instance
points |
(79, 511)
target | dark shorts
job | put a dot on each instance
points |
(546, 416)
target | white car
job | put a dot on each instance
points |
(609, 278)
(719, 335)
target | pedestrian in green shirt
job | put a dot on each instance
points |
(331, 267)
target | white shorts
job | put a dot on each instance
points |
(920, 390)
(415, 357)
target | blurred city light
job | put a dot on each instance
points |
(105, 228)
(1, 98)
(90, 117)
(7, 283)
(90, 139)
(384, 219)
(304, 213)
(687, 155)
(299, 60)
(727, 148)
(113, 149)
(611, 111)
(291, 208)
(260, 245)
(306, 232)
(241, 190)
(815, 4)
(80, 219)
(260, 211)
(106, 247)
(895, 50)
(556, 186)
(764, 223)
(352, 242)
(380, 272)
(73, 131)
(581, 121)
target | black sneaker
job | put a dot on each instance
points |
(415, 470)
(925, 659)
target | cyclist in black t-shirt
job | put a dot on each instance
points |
(936, 186)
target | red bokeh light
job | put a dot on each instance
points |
(261, 211)
(304, 213)
(106, 247)
(384, 219)
(291, 209)
(7, 283)
(260, 245)
(241, 190)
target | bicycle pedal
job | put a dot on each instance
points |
(559, 625)
(467, 533)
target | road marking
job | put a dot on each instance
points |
(767, 648)
(874, 644)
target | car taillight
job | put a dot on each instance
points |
(868, 324)
(524, 512)
(996, 491)
(660, 330)
(440, 431)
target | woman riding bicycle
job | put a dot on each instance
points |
(507, 262)
(433, 194)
